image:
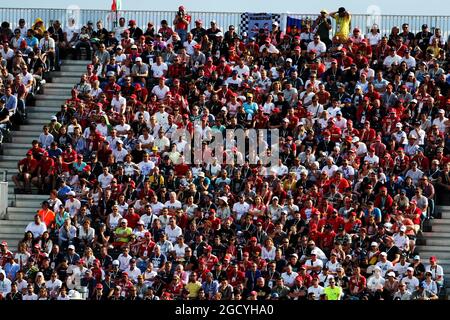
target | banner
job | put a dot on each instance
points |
(253, 22)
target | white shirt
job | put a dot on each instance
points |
(372, 159)
(373, 38)
(119, 105)
(31, 297)
(105, 180)
(124, 262)
(36, 229)
(411, 284)
(317, 291)
(330, 170)
(289, 278)
(133, 274)
(189, 47)
(241, 71)
(173, 234)
(158, 70)
(440, 124)
(160, 92)
(389, 60)
(240, 209)
(410, 62)
(385, 267)
(401, 241)
(320, 47)
(317, 263)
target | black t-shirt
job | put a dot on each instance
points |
(262, 292)
(392, 252)
(4, 113)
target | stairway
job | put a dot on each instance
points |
(22, 207)
(437, 243)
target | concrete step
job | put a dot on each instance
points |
(8, 165)
(437, 241)
(45, 108)
(441, 228)
(55, 96)
(429, 235)
(59, 85)
(31, 127)
(75, 62)
(49, 103)
(33, 204)
(71, 74)
(20, 216)
(29, 134)
(11, 230)
(10, 145)
(15, 152)
(41, 122)
(14, 223)
(38, 197)
(31, 211)
(442, 221)
(74, 68)
(23, 139)
(10, 158)
(52, 91)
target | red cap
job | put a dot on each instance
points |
(433, 258)
(208, 248)
(29, 153)
(124, 274)
(253, 239)
(378, 139)
(99, 286)
(246, 254)
(297, 48)
(326, 133)
(87, 168)
(147, 234)
(45, 154)
(133, 96)
(137, 87)
(132, 22)
(4, 243)
(132, 183)
(90, 66)
(353, 213)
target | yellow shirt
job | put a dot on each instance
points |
(123, 234)
(333, 293)
(342, 26)
(193, 288)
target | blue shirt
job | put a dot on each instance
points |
(11, 102)
(32, 42)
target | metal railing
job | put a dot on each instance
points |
(223, 19)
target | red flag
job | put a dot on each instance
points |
(114, 5)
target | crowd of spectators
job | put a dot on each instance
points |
(363, 149)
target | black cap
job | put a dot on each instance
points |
(341, 10)
(425, 26)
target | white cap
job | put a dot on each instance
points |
(355, 139)
(54, 118)
(288, 60)
(219, 34)
(286, 120)
(119, 141)
(115, 262)
(413, 101)
(71, 193)
(410, 269)
(374, 244)
(391, 274)
(399, 125)
(123, 220)
(201, 174)
(377, 268)
(119, 47)
(416, 257)
(403, 228)
(441, 111)
(138, 59)
(384, 254)
(71, 247)
(275, 23)
(223, 109)
(314, 252)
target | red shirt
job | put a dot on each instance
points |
(46, 166)
(28, 166)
